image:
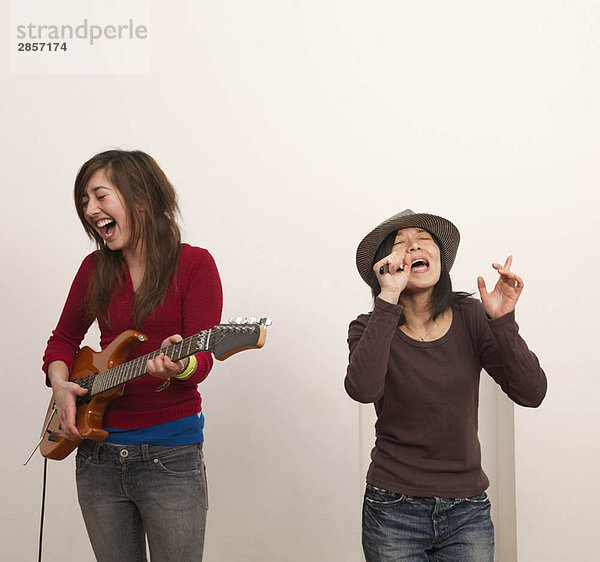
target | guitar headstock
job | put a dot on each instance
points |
(240, 334)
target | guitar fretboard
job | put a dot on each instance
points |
(101, 382)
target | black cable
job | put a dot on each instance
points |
(43, 506)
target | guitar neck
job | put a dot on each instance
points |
(101, 382)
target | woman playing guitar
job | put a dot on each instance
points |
(147, 478)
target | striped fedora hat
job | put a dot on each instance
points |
(444, 231)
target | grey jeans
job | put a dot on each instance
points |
(129, 491)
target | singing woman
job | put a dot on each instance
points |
(418, 356)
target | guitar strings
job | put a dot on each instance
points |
(135, 368)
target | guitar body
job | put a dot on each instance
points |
(89, 414)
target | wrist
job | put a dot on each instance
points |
(188, 370)
(500, 313)
(390, 296)
(58, 373)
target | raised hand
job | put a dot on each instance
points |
(161, 366)
(392, 274)
(506, 293)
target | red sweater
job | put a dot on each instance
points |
(192, 304)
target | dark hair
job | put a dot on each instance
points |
(443, 296)
(151, 206)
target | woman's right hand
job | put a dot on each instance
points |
(395, 277)
(65, 395)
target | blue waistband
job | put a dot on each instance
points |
(184, 431)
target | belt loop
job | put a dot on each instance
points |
(97, 445)
(145, 453)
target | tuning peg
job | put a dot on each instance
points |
(265, 321)
(237, 320)
(251, 320)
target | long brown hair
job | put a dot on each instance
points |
(151, 206)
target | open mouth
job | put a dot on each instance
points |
(419, 265)
(106, 226)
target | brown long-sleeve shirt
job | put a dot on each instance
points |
(426, 395)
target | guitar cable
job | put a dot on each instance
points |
(43, 507)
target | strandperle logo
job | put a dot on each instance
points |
(85, 31)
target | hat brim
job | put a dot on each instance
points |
(444, 231)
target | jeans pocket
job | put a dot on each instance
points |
(382, 498)
(479, 498)
(185, 461)
(82, 462)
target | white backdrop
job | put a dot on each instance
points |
(290, 128)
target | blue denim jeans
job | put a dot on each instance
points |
(129, 491)
(399, 527)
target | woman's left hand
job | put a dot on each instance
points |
(506, 293)
(161, 366)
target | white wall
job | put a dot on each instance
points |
(289, 130)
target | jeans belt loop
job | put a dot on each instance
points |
(145, 453)
(96, 451)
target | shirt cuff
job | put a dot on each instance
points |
(503, 321)
(395, 309)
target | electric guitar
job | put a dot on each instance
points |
(105, 373)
